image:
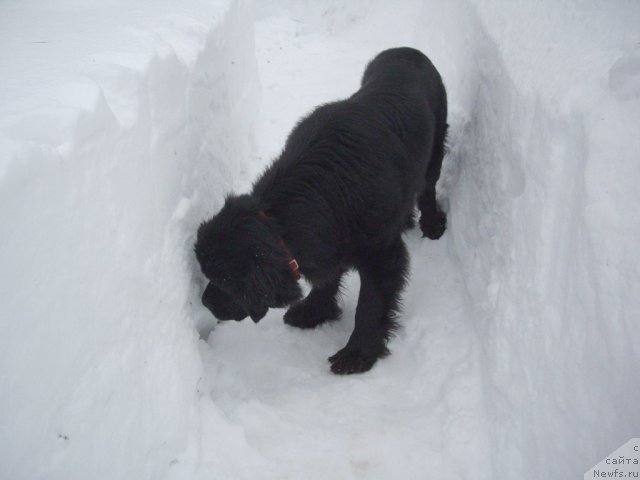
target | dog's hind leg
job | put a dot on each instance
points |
(433, 221)
(382, 277)
(321, 305)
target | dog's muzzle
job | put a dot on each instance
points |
(222, 305)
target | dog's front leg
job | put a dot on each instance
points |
(382, 277)
(321, 305)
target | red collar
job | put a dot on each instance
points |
(293, 264)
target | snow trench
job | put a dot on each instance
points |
(520, 344)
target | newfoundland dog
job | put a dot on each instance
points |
(338, 197)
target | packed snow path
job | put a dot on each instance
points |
(298, 419)
(520, 341)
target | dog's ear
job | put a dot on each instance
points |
(289, 290)
(270, 282)
(258, 313)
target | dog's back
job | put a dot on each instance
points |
(417, 97)
(368, 154)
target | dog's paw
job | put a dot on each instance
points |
(433, 226)
(303, 315)
(354, 360)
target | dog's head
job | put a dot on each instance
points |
(247, 268)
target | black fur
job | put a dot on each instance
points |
(339, 197)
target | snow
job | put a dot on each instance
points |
(124, 124)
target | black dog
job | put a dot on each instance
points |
(338, 197)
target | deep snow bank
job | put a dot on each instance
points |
(543, 197)
(104, 180)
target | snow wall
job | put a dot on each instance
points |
(542, 217)
(99, 351)
(99, 354)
